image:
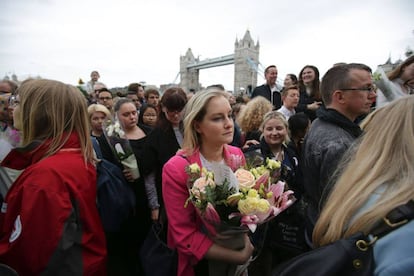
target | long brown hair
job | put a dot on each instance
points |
(396, 73)
(315, 93)
(53, 110)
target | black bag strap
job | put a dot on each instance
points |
(96, 147)
(394, 219)
(185, 157)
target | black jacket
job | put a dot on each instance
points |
(161, 146)
(329, 137)
(290, 171)
(264, 91)
(304, 100)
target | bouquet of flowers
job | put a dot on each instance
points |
(384, 84)
(233, 211)
(121, 147)
(387, 90)
(259, 197)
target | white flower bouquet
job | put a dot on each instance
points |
(387, 90)
(122, 149)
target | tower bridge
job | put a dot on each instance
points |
(245, 60)
(212, 62)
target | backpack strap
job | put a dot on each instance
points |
(396, 218)
(96, 147)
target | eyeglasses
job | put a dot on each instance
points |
(105, 98)
(367, 89)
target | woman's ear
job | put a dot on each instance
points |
(197, 127)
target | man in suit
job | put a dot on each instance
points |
(270, 90)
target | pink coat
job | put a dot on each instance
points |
(183, 223)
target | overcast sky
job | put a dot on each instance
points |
(136, 40)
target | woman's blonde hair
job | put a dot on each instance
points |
(383, 159)
(278, 116)
(98, 108)
(195, 110)
(53, 110)
(251, 116)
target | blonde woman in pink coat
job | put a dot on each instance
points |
(208, 129)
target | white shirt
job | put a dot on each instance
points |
(286, 112)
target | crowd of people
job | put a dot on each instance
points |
(344, 141)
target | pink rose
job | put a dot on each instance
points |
(199, 186)
(245, 178)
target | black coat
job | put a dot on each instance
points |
(304, 100)
(161, 146)
(264, 91)
(290, 172)
(329, 137)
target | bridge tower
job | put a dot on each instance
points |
(189, 76)
(246, 61)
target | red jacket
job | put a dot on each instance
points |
(183, 222)
(49, 222)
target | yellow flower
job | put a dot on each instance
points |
(207, 174)
(233, 199)
(254, 172)
(272, 164)
(194, 168)
(252, 193)
(253, 204)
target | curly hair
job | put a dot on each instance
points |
(251, 116)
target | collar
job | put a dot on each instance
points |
(333, 116)
(265, 149)
(22, 157)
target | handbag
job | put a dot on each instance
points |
(156, 257)
(115, 196)
(288, 231)
(348, 256)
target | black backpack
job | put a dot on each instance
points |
(348, 256)
(115, 196)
